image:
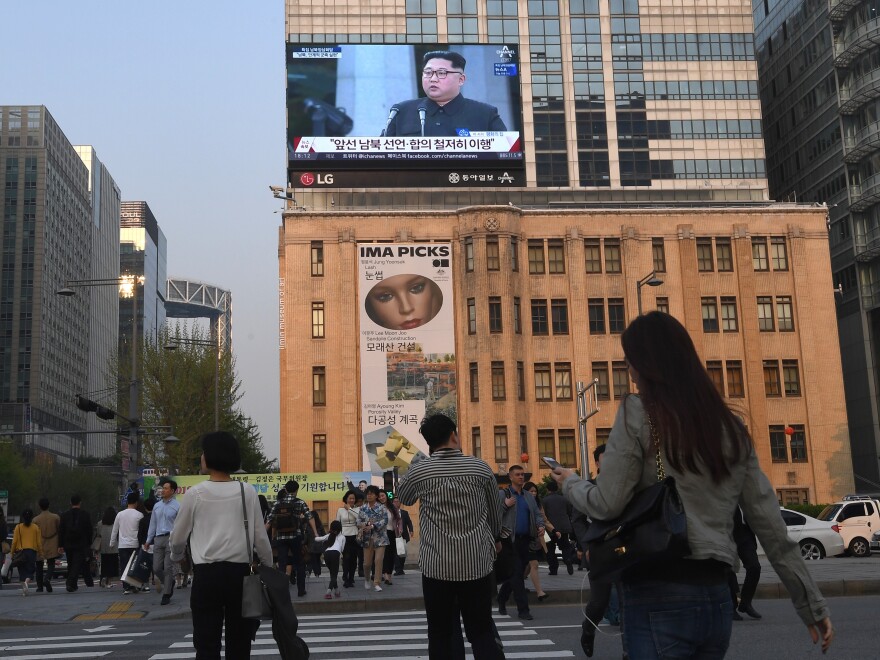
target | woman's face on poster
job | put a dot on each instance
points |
(404, 302)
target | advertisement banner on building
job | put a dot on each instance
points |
(407, 348)
(313, 486)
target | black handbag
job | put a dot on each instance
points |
(18, 559)
(652, 528)
(254, 599)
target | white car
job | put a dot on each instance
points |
(817, 539)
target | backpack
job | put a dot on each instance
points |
(286, 521)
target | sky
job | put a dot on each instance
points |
(183, 101)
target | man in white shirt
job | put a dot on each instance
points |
(125, 533)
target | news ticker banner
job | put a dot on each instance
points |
(451, 178)
(312, 485)
(407, 349)
(407, 148)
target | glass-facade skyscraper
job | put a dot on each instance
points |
(818, 65)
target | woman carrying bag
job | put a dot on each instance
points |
(27, 540)
(211, 519)
(679, 426)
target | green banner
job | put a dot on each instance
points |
(312, 485)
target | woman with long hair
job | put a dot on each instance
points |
(372, 526)
(347, 517)
(109, 556)
(682, 607)
(538, 548)
(334, 544)
(393, 529)
(27, 538)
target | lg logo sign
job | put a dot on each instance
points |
(309, 179)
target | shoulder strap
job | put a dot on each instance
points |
(247, 535)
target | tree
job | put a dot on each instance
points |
(177, 391)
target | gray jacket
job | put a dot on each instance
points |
(628, 466)
(508, 515)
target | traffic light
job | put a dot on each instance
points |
(87, 405)
(388, 483)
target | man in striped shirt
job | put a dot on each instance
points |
(460, 523)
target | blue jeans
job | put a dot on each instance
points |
(666, 620)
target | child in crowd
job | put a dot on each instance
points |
(335, 544)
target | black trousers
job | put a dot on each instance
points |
(78, 563)
(568, 555)
(350, 559)
(748, 555)
(390, 554)
(42, 577)
(444, 601)
(291, 549)
(600, 596)
(331, 558)
(215, 599)
(516, 583)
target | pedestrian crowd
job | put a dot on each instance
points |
(480, 543)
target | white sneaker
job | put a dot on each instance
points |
(367, 584)
(377, 588)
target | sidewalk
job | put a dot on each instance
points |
(846, 576)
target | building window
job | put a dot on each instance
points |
(729, 321)
(778, 253)
(791, 378)
(613, 262)
(523, 440)
(475, 438)
(319, 459)
(778, 448)
(602, 435)
(592, 255)
(493, 255)
(563, 381)
(716, 374)
(472, 316)
(546, 442)
(555, 257)
(710, 314)
(319, 386)
(596, 315)
(567, 448)
(514, 254)
(663, 305)
(498, 391)
(765, 314)
(658, 253)
(543, 388)
(735, 385)
(517, 316)
(559, 316)
(759, 253)
(539, 317)
(616, 316)
(469, 254)
(771, 378)
(600, 374)
(723, 255)
(318, 320)
(705, 262)
(784, 314)
(475, 381)
(494, 314)
(500, 444)
(520, 381)
(620, 379)
(317, 259)
(798, 444)
(536, 257)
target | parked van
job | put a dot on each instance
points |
(856, 517)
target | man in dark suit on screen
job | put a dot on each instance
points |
(445, 112)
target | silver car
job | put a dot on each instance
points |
(817, 539)
(875, 542)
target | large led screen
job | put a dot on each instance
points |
(452, 113)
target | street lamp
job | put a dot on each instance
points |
(126, 284)
(650, 279)
(175, 344)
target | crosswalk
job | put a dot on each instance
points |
(399, 635)
(62, 647)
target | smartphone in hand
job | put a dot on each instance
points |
(551, 462)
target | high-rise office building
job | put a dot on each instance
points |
(623, 147)
(103, 300)
(143, 252)
(46, 242)
(818, 68)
